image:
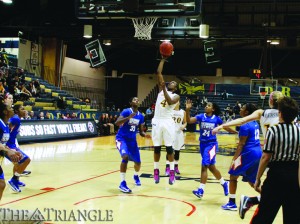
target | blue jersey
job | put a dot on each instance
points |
(15, 121)
(129, 129)
(207, 124)
(4, 132)
(250, 129)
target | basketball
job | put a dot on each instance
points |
(166, 49)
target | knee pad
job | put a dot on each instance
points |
(169, 149)
(157, 149)
(177, 153)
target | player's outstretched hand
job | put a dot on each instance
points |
(216, 130)
(188, 104)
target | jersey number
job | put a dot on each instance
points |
(163, 103)
(256, 134)
(132, 128)
(206, 133)
(177, 120)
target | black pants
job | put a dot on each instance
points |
(281, 188)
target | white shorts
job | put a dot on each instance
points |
(163, 130)
(178, 141)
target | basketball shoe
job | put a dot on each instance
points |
(244, 206)
(177, 170)
(172, 177)
(156, 176)
(14, 185)
(26, 173)
(123, 187)
(199, 192)
(229, 206)
(167, 171)
(21, 184)
(137, 180)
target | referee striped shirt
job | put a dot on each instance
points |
(283, 141)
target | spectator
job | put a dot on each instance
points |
(26, 116)
(32, 115)
(41, 116)
(73, 115)
(224, 95)
(103, 126)
(149, 113)
(48, 116)
(237, 108)
(61, 104)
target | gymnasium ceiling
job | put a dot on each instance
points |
(235, 24)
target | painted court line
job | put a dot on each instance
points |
(142, 195)
(54, 189)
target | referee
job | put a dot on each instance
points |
(281, 155)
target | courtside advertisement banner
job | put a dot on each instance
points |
(43, 130)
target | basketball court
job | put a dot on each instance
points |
(84, 175)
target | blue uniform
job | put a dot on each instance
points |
(126, 136)
(208, 141)
(4, 136)
(12, 143)
(247, 163)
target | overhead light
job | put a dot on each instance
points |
(7, 1)
(275, 42)
(165, 40)
(88, 31)
(204, 31)
(107, 42)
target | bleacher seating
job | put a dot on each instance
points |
(48, 97)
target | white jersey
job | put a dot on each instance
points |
(178, 117)
(162, 108)
(268, 119)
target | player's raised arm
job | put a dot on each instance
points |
(160, 77)
(256, 115)
(188, 106)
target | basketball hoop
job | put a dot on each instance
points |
(143, 27)
(262, 95)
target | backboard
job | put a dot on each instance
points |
(95, 53)
(116, 9)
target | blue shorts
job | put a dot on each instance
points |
(246, 165)
(208, 151)
(24, 156)
(130, 148)
(1, 174)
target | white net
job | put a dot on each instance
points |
(143, 27)
(262, 95)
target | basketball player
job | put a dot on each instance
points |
(163, 126)
(14, 125)
(180, 125)
(268, 118)
(246, 157)
(208, 143)
(8, 100)
(6, 112)
(130, 120)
